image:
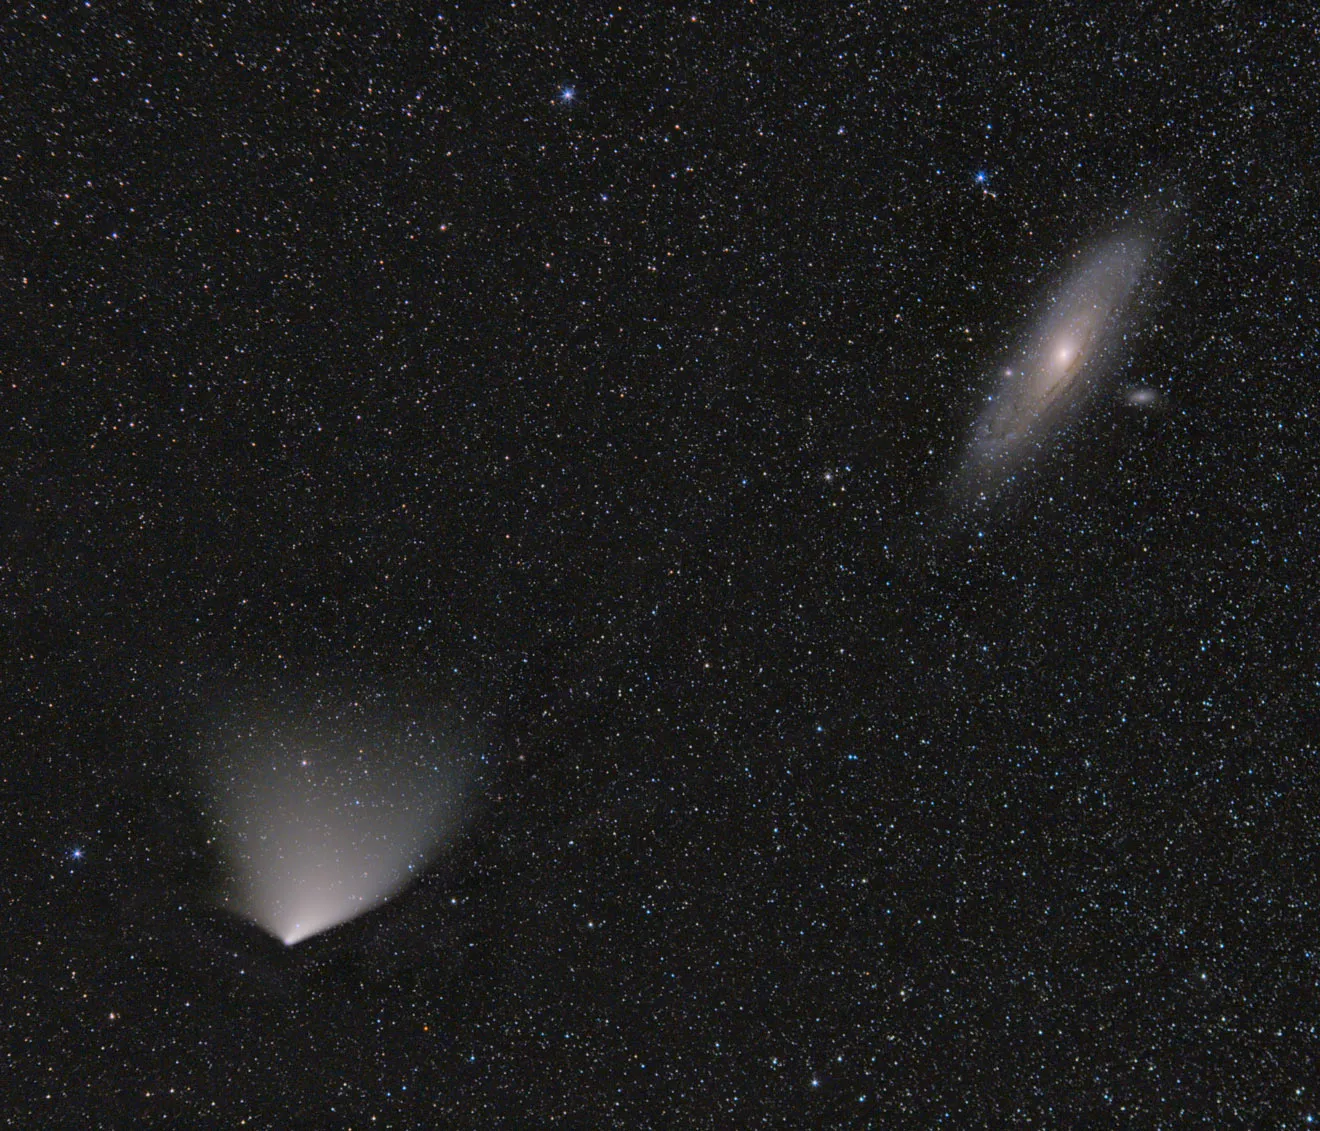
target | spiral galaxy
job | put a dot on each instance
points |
(1057, 363)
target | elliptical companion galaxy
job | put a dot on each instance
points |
(1056, 365)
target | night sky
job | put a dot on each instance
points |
(573, 403)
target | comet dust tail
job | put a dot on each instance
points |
(1061, 355)
(323, 813)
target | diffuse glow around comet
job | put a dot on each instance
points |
(324, 812)
(1057, 362)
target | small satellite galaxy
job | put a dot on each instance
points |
(1074, 338)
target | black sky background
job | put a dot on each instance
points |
(344, 357)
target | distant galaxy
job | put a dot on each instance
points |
(1142, 396)
(1056, 364)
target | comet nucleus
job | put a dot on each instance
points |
(323, 814)
(1058, 361)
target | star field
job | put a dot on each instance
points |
(578, 389)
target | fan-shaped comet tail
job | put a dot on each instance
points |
(324, 815)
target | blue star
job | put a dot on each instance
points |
(567, 94)
(982, 177)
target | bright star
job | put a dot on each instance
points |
(567, 94)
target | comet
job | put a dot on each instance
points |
(323, 814)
